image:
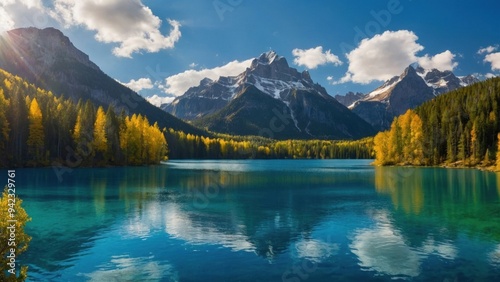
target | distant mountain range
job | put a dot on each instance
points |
(48, 59)
(270, 99)
(400, 93)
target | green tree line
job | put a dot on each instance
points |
(223, 146)
(457, 128)
(40, 129)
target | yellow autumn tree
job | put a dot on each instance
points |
(381, 147)
(100, 140)
(158, 148)
(403, 143)
(22, 239)
(36, 137)
(474, 146)
(395, 145)
(405, 123)
(417, 140)
(141, 142)
(130, 139)
(77, 130)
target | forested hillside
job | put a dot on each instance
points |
(39, 129)
(458, 128)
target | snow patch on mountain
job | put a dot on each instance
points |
(422, 75)
(385, 87)
(292, 114)
(275, 88)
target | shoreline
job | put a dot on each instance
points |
(455, 165)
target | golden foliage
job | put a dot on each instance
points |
(100, 140)
(403, 143)
(21, 238)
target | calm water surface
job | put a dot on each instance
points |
(280, 220)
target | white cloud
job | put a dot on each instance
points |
(494, 59)
(6, 22)
(181, 226)
(388, 54)
(443, 61)
(315, 250)
(138, 85)
(487, 50)
(384, 250)
(129, 23)
(382, 57)
(314, 57)
(331, 80)
(178, 84)
(14, 13)
(494, 256)
(158, 101)
(445, 249)
(483, 76)
(193, 65)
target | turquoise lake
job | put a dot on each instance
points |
(262, 220)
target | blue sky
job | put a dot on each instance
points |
(346, 45)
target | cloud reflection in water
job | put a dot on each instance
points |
(125, 268)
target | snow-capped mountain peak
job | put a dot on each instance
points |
(385, 87)
(268, 57)
(444, 81)
(438, 81)
(245, 103)
(407, 91)
(270, 73)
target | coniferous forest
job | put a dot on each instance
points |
(222, 146)
(459, 128)
(40, 129)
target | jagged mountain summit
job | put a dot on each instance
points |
(349, 98)
(48, 59)
(407, 91)
(268, 97)
(270, 73)
(444, 81)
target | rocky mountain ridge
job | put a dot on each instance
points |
(406, 91)
(48, 59)
(229, 104)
